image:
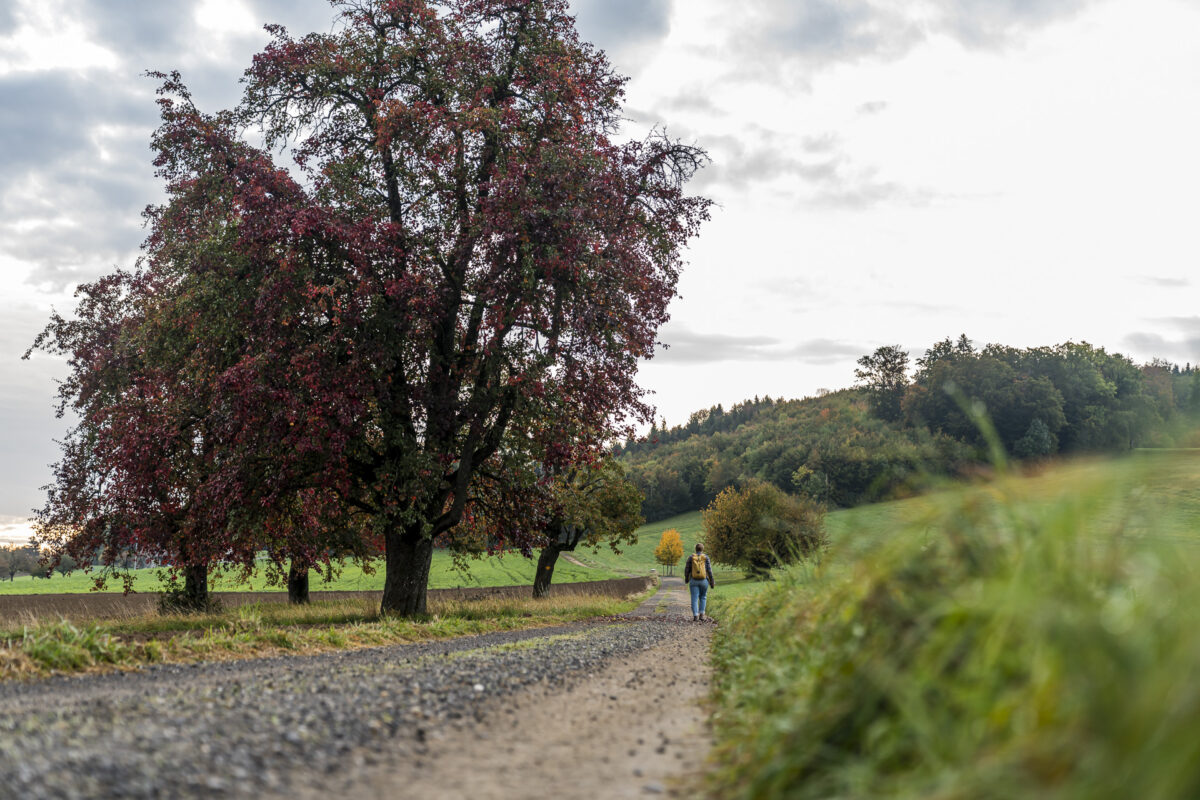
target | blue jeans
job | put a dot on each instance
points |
(699, 595)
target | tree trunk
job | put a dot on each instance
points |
(545, 569)
(297, 583)
(408, 557)
(195, 588)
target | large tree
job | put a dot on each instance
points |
(506, 261)
(455, 287)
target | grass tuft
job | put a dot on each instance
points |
(65, 646)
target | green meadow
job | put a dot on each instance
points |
(511, 569)
(1032, 636)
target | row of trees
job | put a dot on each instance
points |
(17, 560)
(704, 422)
(1072, 397)
(29, 560)
(413, 332)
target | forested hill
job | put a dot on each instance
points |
(897, 429)
(851, 457)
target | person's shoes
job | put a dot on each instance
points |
(695, 618)
(703, 618)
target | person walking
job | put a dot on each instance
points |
(698, 575)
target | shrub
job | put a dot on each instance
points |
(759, 527)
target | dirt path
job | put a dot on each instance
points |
(672, 599)
(609, 708)
(635, 728)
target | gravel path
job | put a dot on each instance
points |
(276, 726)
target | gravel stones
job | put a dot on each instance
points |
(245, 728)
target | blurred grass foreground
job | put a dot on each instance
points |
(1035, 637)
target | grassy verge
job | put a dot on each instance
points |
(730, 589)
(1032, 638)
(273, 629)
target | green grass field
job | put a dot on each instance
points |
(510, 570)
(638, 559)
(1029, 637)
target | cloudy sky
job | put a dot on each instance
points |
(886, 172)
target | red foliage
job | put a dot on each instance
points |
(456, 290)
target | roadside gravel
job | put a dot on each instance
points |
(272, 726)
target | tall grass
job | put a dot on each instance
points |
(1034, 638)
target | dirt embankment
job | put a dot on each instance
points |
(99, 605)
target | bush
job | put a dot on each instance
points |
(759, 527)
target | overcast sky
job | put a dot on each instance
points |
(887, 172)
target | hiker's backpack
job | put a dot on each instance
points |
(699, 567)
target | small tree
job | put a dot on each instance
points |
(1037, 442)
(66, 563)
(593, 503)
(669, 550)
(759, 527)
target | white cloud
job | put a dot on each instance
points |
(225, 17)
(46, 35)
(15, 531)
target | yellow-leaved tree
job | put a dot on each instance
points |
(669, 550)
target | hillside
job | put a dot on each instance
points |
(902, 428)
(850, 457)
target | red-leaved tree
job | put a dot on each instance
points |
(195, 378)
(507, 260)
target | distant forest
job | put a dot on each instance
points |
(899, 427)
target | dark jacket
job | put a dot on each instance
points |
(708, 572)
